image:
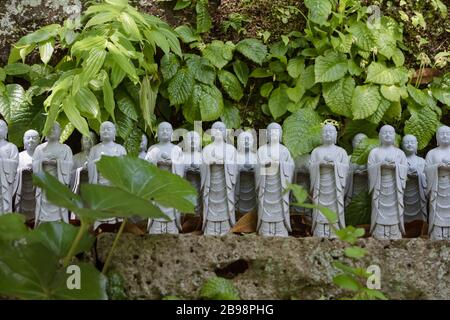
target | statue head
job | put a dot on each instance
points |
(144, 143)
(443, 136)
(409, 144)
(387, 135)
(329, 134)
(357, 139)
(87, 142)
(30, 139)
(3, 130)
(274, 133)
(192, 141)
(165, 132)
(107, 131)
(245, 141)
(219, 131)
(55, 133)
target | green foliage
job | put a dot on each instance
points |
(218, 288)
(359, 210)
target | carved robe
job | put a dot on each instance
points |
(415, 191)
(9, 161)
(438, 189)
(45, 210)
(79, 171)
(328, 187)
(271, 182)
(219, 184)
(245, 184)
(25, 199)
(387, 187)
(161, 225)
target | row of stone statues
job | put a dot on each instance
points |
(402, 185)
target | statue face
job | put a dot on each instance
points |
(329, 134)
(443, 136)
(387, 135)
(245, 141)
(219, 131)
(87, 142)
(165, 132)
(3, 130)
(107, 132)
(274, 134)
(30, 140)
(409, 144)
(357, 139)
(193, 140)
(55, 133)
(144, 142)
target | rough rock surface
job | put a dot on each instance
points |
(271, 268)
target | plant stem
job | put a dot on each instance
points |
(116, 240)
(80, 234)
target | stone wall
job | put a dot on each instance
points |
(272, 268)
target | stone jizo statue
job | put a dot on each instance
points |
(219, 175)
(166, 156)
(329, 167)
(388, 168)
(106, 147)
(80, 160)
(9, 161)
(56, 159)
(438, 186)
(274, 173)
(415, 191)
(357, 179)
(245, 184)
(302, 178)
(143, 147)
(25, 199)
(192, 157)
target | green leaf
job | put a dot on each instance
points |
(361, 153)
(217, 288)
(202, 69)
(241, 70)
(392, 93)
(230, 116)
(148, 95)
(126, 105)
(261, 73)
(386, 43)
(16, 69)
(331, 67)
(253, 49)
(301, 131)
(266, 89)
(423, 124)
(279, 101)
(204, 22)
(210, 102)
(365, 101)
(129, 25)
(180, 87)
(359, 209)
(355, 252)
(347, 282)
(319, 10)
(88, 43)
(169, 66)
(182, 4)
(87, 103)
(353, 68)
(101, 18)
(12, 226)
(300, 194)
(74, 116)
(338, 95)
(381, 110)
(46, 51)
(218, 53)
(421, 97)
(123, 62)
(187, 34)
(117, 75)
(364, 38)
(108, 97)
(92, 65)
(398, 58)
(379, 73)
(11, 99)
(295, 67)
(230, 84)
(40, 35)
(350, 234)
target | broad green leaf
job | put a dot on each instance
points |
(12, 226)
(343, 43)
(126, 104)
(350, 235)
(279, 102)
(92, 65)
(421, 97)
(182, 4)
(295, 94)
(123, 62)
(108, 97)
(306, 102)
(172, 40)
(210, 102)
(117, 75)
(381, 110)
(386, 44)
(301, 131)
(180, 87)
(120, 4)
(398, 57)
(392, 93)
(218, 53)
(379, 73)
(15, 69)
(133, 141)
(169, 66)
(359, 209)
(253, 49)
(423, 124)
(129, 25)
(157, 38)
(217, 288)
(87, 103)
(72, 113)
(46, 50)
(2, 75)
(338, 95)
(266, 89)
(261, 73)
(187, 34)
(148, 95)
(230, 84)
(11, 99)
(204, 21)
(319, 10)
(101, 18)
(202, 69)
(353, 68)
(394, 112)
(361, 154)
(89, 43)
(241, 70)
(347, 282)
(331, 67)
(365, 101)
(295, 67)
(40, 35)
(363, 36)
(230, 116)
(124, 124)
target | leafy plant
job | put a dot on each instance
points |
(236, 21)
(218, 288)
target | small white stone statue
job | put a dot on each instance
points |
(192, 157)
(357, 181)
(302, 178)
(56, 159)
(329, 166)
(9, 161)
(219, 175)
(387, 167)
(25, 200)
(438, 186)
(143, 147)
(80, 160)
(106, 147)
(245, 184)
(167, 156)
(274, 173)
(415, 191)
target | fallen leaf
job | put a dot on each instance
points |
(427, 75)
(247, 223)
(191, 223)
(414, 229)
